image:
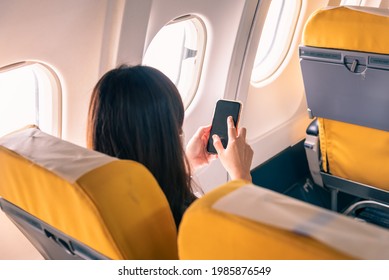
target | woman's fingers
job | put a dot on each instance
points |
(237, 156)
(231, 128)
(217, 143)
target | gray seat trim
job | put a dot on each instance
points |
(361, 81)
(51, 243)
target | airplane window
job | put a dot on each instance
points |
(178, 51)
(29, 94)
(351, 2)
(367, 3)
(276, 37)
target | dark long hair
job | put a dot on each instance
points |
(137, 113)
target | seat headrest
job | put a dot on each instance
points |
(348, 28)
(62, 158)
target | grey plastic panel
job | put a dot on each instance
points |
(355, 188)
(347, 86)
(51, 243)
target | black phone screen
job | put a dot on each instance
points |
(224, 109)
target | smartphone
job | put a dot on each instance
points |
(224, 109)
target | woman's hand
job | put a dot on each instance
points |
(238, 155)
(196, 149)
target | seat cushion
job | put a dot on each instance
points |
(355, 152)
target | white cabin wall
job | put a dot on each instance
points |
(133, 32)
(67, 36)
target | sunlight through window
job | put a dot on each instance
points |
(178, 51)
(276, 37)
(27, 96)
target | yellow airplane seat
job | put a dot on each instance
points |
(344, 60)
(240, 221)
(75, 203)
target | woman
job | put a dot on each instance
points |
(137, 113)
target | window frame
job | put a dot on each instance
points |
(201, 33)
(51, 85)
(276, 57)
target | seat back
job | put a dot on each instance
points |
(74, 203)
(239, 221)
(345, 65)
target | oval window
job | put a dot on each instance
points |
(29, 94)
(178, 51)
(276, 37)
